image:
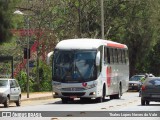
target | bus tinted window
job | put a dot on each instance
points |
(115, 56)
(126, 56)
(105, 55)
(119, 56)
(108, 56)
(111, 55)
(122, 54)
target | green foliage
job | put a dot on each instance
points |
(45, 79)
(6, 13)
(22, 80)
(153, 60)
(132, 22)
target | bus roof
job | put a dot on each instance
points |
(85, 43)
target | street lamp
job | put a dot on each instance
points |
(21, 13)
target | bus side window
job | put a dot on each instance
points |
(115, 56)
(119, 56)
(124, 56)
(105, 55)
(110, 53)
(113, 60)
(101, 54)
(108, 56)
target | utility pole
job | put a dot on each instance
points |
(28, 50)
(102, 19)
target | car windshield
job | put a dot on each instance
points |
(155, 82)
(74, 66)
(136, 78)
(3, 83)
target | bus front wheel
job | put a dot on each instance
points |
(64, 100)
(101, 99)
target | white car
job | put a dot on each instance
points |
(10, 91)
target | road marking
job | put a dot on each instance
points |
(118, 105)
(69, 115)
(54, 119)
(111, 106)
(82, 112)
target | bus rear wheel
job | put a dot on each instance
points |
(118, 96)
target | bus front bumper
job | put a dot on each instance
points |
(91, 93)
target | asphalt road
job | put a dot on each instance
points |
(115, 109)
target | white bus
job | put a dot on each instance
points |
(89, 68)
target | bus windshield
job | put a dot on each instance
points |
(74, 66)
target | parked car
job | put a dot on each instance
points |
(135, 82)
(150, 90)
(10, 91)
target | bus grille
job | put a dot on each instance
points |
(73, 94)
(73, 89)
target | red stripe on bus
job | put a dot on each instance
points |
(108, 74)
(116, 45)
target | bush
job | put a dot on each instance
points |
(44, 76)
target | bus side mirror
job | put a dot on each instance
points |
(48, 57)
(98, 59)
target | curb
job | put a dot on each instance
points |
(37, 98)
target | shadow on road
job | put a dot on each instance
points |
(78, 101)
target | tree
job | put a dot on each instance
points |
(132, 22)
(6, 25)
(153, 60)
(129, 22)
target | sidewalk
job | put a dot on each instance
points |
(36, 96)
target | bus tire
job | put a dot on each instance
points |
(147, 102)
(118, 96)
(112, 97)
(99, 100)
(102, 99)
(104, 93)
(85, 99)
(143, 102)
(64, 100)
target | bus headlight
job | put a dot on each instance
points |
(56, 85)
(92, 85)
